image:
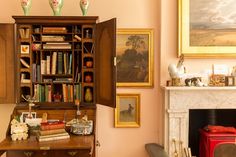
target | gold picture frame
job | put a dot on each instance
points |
(134, 51)
(127, 112)
(203, 31)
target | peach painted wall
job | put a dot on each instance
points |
(115, 142)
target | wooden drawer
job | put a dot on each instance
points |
(29, 153)
(72, 153)
(50, 153)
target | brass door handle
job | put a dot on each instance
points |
(28, 154)
(72, 153)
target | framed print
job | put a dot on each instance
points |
(24, 115)
(207, 28)
(127, 112)
(134, 51)
(24, 49)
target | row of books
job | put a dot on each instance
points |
(54, 30)
(52, 131)
(61, 45)
(52, 38)
(44, 93)
(58, 63)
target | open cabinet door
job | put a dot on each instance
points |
(7, 70)
(105, 63)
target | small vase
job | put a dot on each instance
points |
(56, 6)
(84, 4)
(26, 5)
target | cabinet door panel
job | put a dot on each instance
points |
(105, 67)
(7, 69)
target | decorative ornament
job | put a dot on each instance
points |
(56, 6)
(84, 4)
(26, 5)
(177, 71)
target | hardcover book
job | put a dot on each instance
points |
(53, 125)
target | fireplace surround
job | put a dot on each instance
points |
(180, 100)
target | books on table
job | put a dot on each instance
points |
(52, 137)
(52, 131)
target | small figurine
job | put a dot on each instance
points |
(18, 130)
(177, 71)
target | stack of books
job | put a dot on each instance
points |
(52, 131)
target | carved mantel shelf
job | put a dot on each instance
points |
(171, 88)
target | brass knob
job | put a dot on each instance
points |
(72, 153)
(28, 154)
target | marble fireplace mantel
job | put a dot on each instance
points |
(178, 101)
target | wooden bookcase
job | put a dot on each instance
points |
(57, 61)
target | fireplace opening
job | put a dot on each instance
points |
(199, 118)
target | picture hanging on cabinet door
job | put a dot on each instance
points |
(134, 51)
(127, 112)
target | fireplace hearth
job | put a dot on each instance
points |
(200, 118)
(180, 102)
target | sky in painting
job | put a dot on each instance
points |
(213, 13)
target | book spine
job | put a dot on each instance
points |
(54, 62)
(36, 92)
(54, 138)
(34, 72)
(60, 66)
(65, 92)
(43, 66)
(52, 126)
(70, 64)
(38, 73)
(65, 63)
(71, 93)
(50, 132)
(53, 135)
(48, 62)
(42, 93)
(49, 93)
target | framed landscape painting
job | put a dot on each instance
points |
(207, 28)
(127, 112)
(134, 51)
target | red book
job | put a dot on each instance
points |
(52, 125)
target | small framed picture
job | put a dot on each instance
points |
(24, 115)
(127, 112)
(229, 80)
(24, 49)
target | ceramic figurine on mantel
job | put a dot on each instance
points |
(26, 5)
(56, 6)
(177, 71)
(84, 4)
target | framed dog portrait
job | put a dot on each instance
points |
(127, 112)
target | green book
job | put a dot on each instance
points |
(60, 64)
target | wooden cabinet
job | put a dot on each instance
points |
(62, 59)
(57, 60)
